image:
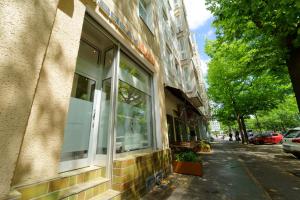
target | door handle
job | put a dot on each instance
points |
(94, 114)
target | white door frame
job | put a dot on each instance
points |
(84, 162)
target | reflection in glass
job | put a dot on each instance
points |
(104, 117)
(134, 108)
(83, 88)
(170, 129)
(105, 111)
(77, 130)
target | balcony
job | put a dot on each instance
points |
(192, 87)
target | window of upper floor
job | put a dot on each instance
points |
(165, 15)
(146, 13)
(169, 5)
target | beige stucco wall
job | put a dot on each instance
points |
(22, 52)
(49, 95)
(40, 153)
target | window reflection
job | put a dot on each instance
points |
(83, 88)
(134, 108)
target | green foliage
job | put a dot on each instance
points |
(274, 23)
(205, 146)
(247, 73)
(284, 116)
(235, 87)
(186, 156)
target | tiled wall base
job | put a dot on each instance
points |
(81, 184)
(134, 177)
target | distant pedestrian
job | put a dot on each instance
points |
(230, 136)
(237, 136)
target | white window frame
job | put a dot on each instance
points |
(155, 125)
(149, 13)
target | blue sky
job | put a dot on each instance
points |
(203, 32)
(200, 20)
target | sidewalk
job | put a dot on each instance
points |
(225, 178)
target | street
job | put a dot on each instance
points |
(238, 172)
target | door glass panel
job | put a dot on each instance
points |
(105, 112)
(78, 125)
(77, 130)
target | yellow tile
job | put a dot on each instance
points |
(91, 175)
(80, 178)
(58, 184)
(89, 193)
(34, 191)
(103, 172)
(117, 197)
(73, 197)
(51, 196)
(81, 195)
(72, 180)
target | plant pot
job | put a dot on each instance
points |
(190, 168)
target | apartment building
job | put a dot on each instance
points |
(86, 98)
(186, 100)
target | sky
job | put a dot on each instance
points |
(200, 20)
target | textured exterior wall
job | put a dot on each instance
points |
(131, 176)
(40, 41)
(24, 38)
(40, 153)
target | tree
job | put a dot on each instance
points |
(238, 91)
(270, 28)
(280, 118)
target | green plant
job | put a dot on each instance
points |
(205, 146)
(186, 156)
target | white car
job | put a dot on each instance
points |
(291, 142)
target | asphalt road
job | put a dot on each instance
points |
(238, 172)
(273, 170)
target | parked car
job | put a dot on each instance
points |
(257, 139)
(251, 137)
(268, 138)
(291, 142)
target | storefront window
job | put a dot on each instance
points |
(170, 129)
(134, 121)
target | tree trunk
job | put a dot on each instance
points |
(244, 128)
(240, 127)
(258, 123)
(293, 64)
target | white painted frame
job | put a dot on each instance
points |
(119, 41)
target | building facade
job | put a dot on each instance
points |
(86, 98)
(186, 99)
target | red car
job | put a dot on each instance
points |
(268, 138)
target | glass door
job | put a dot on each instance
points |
(76, 150)
(105, 125)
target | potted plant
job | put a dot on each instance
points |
(204, 146)
(187, 162)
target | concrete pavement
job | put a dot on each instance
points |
(237, 172)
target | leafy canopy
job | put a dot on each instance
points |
(234, 87)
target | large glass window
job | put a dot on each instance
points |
(134, 117)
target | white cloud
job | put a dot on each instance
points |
(204, 67)
(197, 14)
(210, 33)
